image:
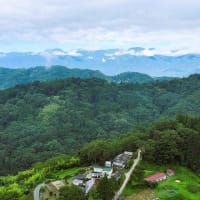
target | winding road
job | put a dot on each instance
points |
(36, 192)
(127, 175)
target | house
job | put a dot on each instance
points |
(122, 159)
(99, 172)
(55, 186)
(80, 176)
(79, 179)
(156, 177)
(170, 172)
(77, 182)
(84, 183)
(108, 164)
(108, 171)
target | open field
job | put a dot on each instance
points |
(68, 172)
(184, 185)
(143, 195)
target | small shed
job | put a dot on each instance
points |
(170, 172)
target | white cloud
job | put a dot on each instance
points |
(103, 60)
(73, 53)
(100, 24)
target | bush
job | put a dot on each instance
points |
(129, 164)
(178, 197)
(151, 184)
(121, 180)
(194, 188)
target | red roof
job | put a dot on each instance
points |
(155, 177)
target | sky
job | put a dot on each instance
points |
(36, 25)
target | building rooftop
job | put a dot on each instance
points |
(80, 177)
(155, 177)
(124, 157)
(107, 169)
(57, 184)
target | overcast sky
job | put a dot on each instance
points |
(36, 25)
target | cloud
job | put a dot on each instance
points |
(149, 52)
(103, 60)
(99, 24)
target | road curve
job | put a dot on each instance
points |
(127, 176)
(36, 192)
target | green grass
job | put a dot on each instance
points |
(169, 189)
(129, 190)
(187, 189)
(68, 172)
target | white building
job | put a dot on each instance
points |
(77, 182)
(108, 164)
(99, 172)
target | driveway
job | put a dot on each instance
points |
(36, 192)
(127, 176)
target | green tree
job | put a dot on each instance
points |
(105, 189)
(71, 192)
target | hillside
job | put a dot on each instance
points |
(11, 77)
(41, 120)
(174, 141)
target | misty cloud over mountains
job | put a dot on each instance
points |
(110, 62)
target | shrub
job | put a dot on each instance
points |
(194, 188)
(151, 184)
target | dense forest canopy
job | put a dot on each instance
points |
(166, 141)
(41, 120)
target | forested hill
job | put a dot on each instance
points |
(166, 142)
(43, 119)
(12, 77)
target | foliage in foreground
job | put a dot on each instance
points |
(169, 141)
(19, 186)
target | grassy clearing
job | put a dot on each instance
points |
(129, 190)
(68, 172)
(143, 195)
(187, 187)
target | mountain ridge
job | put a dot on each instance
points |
(109, 61)
(12, 77)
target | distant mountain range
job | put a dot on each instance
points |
(12, 77)
(110, 62)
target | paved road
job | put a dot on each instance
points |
(127, 175)
(37, 191)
